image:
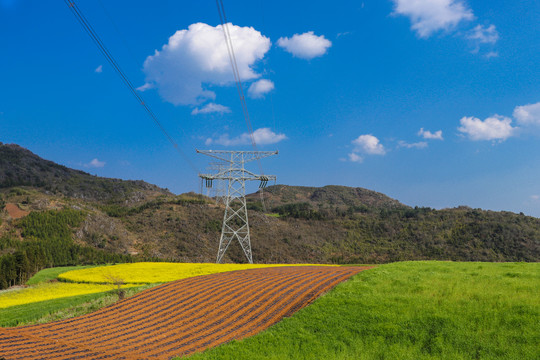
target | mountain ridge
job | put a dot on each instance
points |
(332, 224)
(21, 167)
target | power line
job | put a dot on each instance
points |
(236, 73)
(238, 81)
(101, 46)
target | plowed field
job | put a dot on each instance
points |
(179, 317)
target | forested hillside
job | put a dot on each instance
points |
(47, 243)
(20, 167)
(110, 220)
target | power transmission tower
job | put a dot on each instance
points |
(235, 220)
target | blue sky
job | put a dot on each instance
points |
(434, 103)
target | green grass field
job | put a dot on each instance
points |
(411, 310)
(52, 273)
(62, 308)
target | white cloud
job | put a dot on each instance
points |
(211, 108)
(345, 33)
(99, 69)
(484, 34)
(355, 158)
(196, 58)
(430, 16)
(259, 88)
(528, 114)
(305, 46)
(493, 128)
(146, 86)
(426, 134)
(418, 145)
(535, 197)
(368, 144)
(95, 163)
(262, 136)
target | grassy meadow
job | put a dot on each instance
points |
(411, 310)
(53, 273)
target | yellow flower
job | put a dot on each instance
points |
(48, 291)
(152, 272)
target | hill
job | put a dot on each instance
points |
(97, 218)
(21, 167)
(328, 197)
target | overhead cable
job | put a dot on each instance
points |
(236, 73)
(238, 82)
(101, 46)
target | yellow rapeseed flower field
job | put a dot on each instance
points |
(48, 291)
(152, 272)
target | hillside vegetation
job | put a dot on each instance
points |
(48, 242)
(20, 167)
(109, 220)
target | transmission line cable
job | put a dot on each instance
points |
(101, 46)
(236, 73)
(238, 82)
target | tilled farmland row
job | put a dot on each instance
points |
(178, 318)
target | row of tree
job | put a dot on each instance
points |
(47, 243)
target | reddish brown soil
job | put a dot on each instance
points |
(14, 211)
(178, 318)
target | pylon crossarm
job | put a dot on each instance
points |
(233, 156)
(225, 175)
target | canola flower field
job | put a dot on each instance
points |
(153, 272)
(48, 291)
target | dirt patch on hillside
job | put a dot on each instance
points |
(180, 317)
(15, 212)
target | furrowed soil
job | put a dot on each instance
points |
(178, 318)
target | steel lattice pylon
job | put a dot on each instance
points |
(235, 220)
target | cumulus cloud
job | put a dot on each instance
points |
(417, 145)
(528, 114)
(211, 108)
(354, 157)
(368, 144)
(430, 16)
(262, 136)
(95, 163)
(99, 69)
(495, 127)
(305, 46)
(195, 58)
(365, 144)
(259, 88)
(426, 134)
(484, 34)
